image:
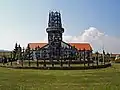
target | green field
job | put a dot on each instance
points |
(99, 79)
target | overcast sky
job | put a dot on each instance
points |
(93, 21)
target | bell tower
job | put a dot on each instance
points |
(54, 31)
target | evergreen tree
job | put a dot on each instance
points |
(19, 52)
(16, 47)
(23, 55)
(15, 56)
(28, 53)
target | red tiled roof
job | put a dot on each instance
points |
(79, 46)
(34, 45)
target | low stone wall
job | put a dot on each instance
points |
(61, 68)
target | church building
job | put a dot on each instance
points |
(56, 48)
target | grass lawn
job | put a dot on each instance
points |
(99, 79)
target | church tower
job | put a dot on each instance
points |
(54, 31)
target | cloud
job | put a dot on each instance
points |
(87, 36)
(97, 39)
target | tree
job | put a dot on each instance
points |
(23, 55)
(28, 53)
(15, 57)
(16, 47)
(19, 52)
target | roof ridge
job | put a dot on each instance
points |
(36, 43)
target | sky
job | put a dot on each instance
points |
(93, 21)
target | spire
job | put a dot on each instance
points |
(54, 20)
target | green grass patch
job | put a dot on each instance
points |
(96, 79)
